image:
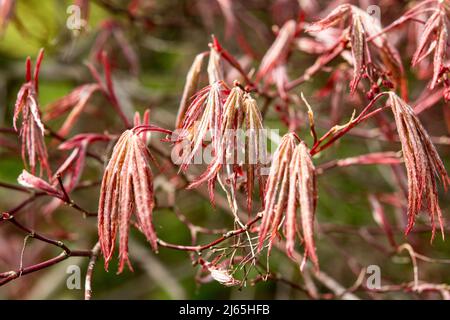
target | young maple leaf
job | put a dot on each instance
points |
(278, 52)
(376, 59)
(74, 164)
(240, 115)
(75, 101)
(273, 65)
(111, 35)
(220, 274)
(215, 67)
(422, 162)
(291, 184)
(127, 187)
(31, 181)
(190, 87)
(303, 194)
(235, 15)
(433, 36)
(224, 154)
(72, 167)
(32, 129)
(255, 149)
(203, 116)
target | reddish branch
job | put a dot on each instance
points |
(90, 271)
(225, 236)
(8, 276)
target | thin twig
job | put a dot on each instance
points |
(90, 271)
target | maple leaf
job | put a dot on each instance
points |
(422, 162)
(291, 185)
(127, 187)
(32, 129)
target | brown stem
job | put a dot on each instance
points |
(14, 187)
(90, 271)
(22, 205)
(66, 198)
(11, 275)
(38, 236)
(224, 237)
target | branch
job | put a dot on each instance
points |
(337, 132)
(321, 62)
(224, 237)
(90, 271)
(8, 276)
(35, 235)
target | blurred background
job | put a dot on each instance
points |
(153, 44)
